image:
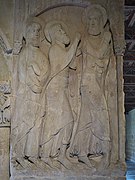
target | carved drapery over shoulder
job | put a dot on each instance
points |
(66, 104)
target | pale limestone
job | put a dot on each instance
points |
(66, 98)
(4, 153)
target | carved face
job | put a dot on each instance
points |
(95, 23)
(60, 35)
(34, 34)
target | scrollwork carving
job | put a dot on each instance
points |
(5, 90)
(5, 84)
(4, 110)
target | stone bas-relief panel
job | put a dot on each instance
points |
(65, 120)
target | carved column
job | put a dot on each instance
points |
(5, 118)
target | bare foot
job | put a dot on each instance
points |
(85, 160)
(20, 162)
(49, 162)
(65, 162)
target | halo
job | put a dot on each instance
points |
(96, 7)
(49, 25)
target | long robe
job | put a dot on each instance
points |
(29, 108)
(58, 123)
(93, 132)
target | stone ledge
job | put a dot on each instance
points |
(69, 178)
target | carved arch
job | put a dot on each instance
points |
(60, 4)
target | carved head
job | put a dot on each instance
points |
(55, 32)
(33, 34)
(96, 19)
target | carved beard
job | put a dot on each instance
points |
(66, 40)
(35, 42)
(94, 30)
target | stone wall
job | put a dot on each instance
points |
(130, 136)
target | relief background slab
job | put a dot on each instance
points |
(69, 12)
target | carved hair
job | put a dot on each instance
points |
(50, 28)
(30, 21)
(30, 26)
(95, 8)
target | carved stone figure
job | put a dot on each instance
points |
(92, 140)
(33, 74)
(58, 123)
(65, 110)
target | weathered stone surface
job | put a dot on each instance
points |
(4, 153)
(72, 178)
(66, 99)
(6, 40)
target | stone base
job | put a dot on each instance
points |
(42, 171)
(70, 178)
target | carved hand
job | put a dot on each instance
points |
(107, 37)
(78, 37)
